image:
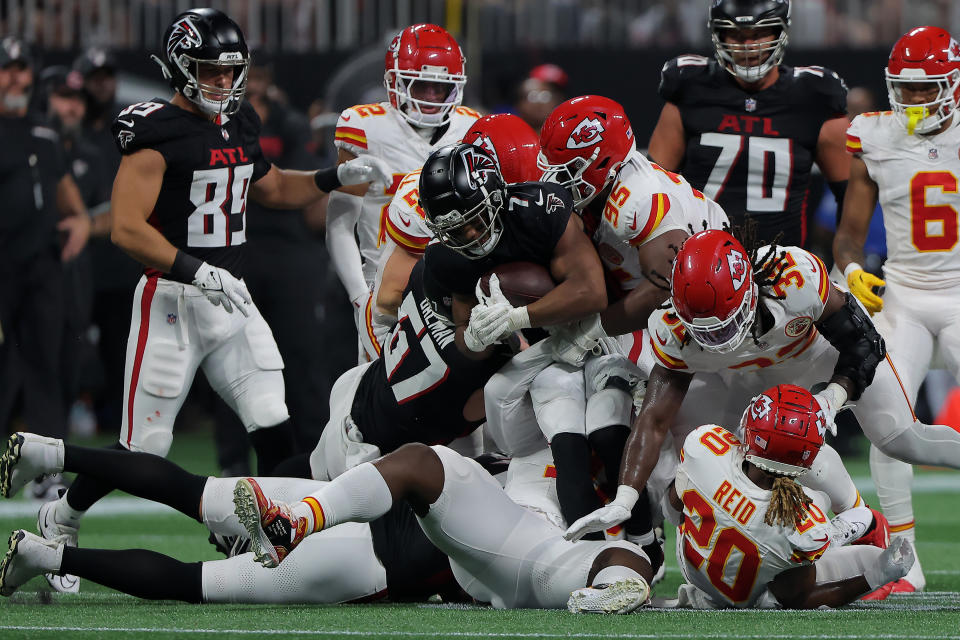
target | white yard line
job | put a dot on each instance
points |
(457, 634)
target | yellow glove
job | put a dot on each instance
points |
(864, 285)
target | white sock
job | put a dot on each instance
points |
(894, 479)
(358, 495)
(63, 513)
(614, 573)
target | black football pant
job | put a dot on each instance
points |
(31, 318)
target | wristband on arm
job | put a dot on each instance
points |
(185, 267)
(326, 179)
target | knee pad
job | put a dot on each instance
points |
(260, 400)
(263, 347)
(606, 408)
(559, 401)
(932, 444)
(155, 439)
(268, 411)
(165, 369)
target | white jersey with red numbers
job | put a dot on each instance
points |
(405, 223)
(803, 290)
(645, 202)
(378, 129)
(917, 178)
(724, 547)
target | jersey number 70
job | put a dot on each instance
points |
(769, 165)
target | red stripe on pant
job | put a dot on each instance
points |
(145, 301)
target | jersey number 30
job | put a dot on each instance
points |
(210, 224)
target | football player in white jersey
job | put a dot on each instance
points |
(907, 159)
(729, 495)
(740, 321)
(424, 79)
(634, 212)
(499, 551)
(514, 147)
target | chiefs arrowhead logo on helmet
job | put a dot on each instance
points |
(953, 52)
(478, 165)
(738, 268)
(761, 406)
(586, 134)
(183, 36)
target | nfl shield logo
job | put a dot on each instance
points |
(750, 104)
(933, 154)
(226, 136)
(171, 318)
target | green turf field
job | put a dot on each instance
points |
(100, 613)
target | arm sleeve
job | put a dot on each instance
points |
(343, 212)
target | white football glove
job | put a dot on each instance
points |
(894, 563)
(607, 516)
(573, 343)
(831, 399)
(221, 287)
(365, 168)
(494, 318)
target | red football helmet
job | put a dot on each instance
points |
(927, 55)
(783, 430)
(713, 291)
(429, 54)
(584, 141)
(512, 143)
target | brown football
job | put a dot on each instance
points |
(521, 282)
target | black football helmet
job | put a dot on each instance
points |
(749, 62)
(462, 193)
(205, 36)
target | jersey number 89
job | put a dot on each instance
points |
(210, 224)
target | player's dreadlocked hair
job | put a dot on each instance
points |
(767, 268)
(788, 503)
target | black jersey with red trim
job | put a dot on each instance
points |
(416, 391)
(202, 205)
(752, 152)
(534, 218)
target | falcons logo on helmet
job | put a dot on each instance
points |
(478, 165)
(738, 268)
(586, 134)
(761, 407)
(485, 143)
(184, 36)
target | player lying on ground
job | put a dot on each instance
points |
(729, 495)
(499, 551)
(896, 161)
(390, 557)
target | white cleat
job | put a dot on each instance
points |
(622, 596)
(26, 457)
(53, 531)
(28, 556)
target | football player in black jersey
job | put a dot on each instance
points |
(746, 129)
(482, 222)
(179, 204)
(421, 389)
